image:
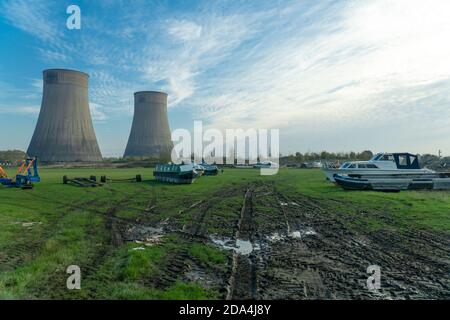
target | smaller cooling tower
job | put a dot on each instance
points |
(150, 132)
(64, 131)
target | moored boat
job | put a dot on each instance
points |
(380, 164)
(210, 169)
(199, 168)
(175, 173)
(437, 181)
(266, 165)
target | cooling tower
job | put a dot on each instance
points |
(64, 130)
(150, 132)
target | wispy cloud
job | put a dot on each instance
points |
(31, 16)
(97, 112)
(206, 43)
(184, 30)
(320, 71)
(361, 67)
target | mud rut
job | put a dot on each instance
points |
(326, 259)
(178, 263)
(315, 255)
(242, 282)
(53, 286)
(331, 261)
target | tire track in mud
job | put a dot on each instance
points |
(55, 282)
(115, 228)
(22, 252)
(177, 262)
(242, 283)
(277, 277)
(332, 263)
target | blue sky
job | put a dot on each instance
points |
(331, 75)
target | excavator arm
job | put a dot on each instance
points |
(3, 173)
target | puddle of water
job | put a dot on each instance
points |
(297, 234)
(283, 203)
(138, 248)
(145, 234)
(239, 246)
(226, 244)
(295, 204)
(243, 247)
(275, 237)
(150, 241)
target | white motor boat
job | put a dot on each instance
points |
(380, 164)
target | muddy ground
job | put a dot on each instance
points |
(276, 247)
(281, 247)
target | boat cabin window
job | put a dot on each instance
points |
(352, 166)
(362, 165)
(387, 157)
(414, 162)
(402, 160)
(371, 166)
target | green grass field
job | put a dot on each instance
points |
(44, 230)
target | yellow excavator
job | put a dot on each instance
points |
(25, 176)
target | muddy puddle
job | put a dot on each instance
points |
(301, 249)
(145, 236)
(239, 246)
(306, 251)
(296, 234)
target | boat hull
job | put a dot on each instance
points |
(393, 183)
(330, 173)
(211, 172)
(352, 184)
(174, 177)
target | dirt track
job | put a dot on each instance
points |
(324, 259)
(299, 249)
(303, 251)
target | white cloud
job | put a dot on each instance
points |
(372, 66)
(110, 95)
(319, 71)
(184, 30)
(204, 46)
(97, 112)
(31, 16)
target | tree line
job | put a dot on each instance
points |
(12, 156)
(324, 155)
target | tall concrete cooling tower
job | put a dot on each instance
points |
(64, 130)
(150, 132)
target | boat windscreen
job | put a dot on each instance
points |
(406, 161)
(376, 157)
(345, 165)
